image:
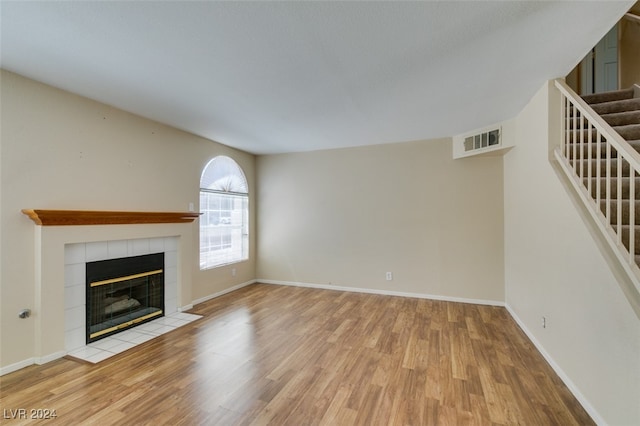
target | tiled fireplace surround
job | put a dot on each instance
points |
(77, 255)
(60, 256)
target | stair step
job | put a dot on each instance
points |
(575, 123)
(608, 96)
(622, 118)
(594, 151)
(617, 106)
(591, 163)
(636, 238)
(614, 187)
(625, 211)
(582, 135)
(635, 144)
(629, 132)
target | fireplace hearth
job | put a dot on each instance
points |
(123, 293)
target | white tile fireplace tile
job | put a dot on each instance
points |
(75, 296)
(170, 292)
(171, 244)
(121, 347)
(138, 247)
(171, 274)
(171, 259)
(112, 345)
(142, 338)
(165, 329)
(129, 335)
(105, 344)
(156, 245)
(75, 274)
(101, 356)
(74, 317)
(97, 251)
(74, 253)
(75, 339)
(85, 352)
(117, 249)
(149, 327)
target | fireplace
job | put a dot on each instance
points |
(123, 293)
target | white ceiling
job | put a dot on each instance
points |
(270, 77)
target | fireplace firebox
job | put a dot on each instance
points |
(123, 293)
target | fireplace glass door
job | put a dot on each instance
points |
(122, 293)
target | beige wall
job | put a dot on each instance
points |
(629, 52)
(345, 217)
(61, 151)
(554, 269)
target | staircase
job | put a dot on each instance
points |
(600, 154)
(621, 110)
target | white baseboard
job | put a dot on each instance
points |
(567, 381)
(17, 366)
(31, 361)
(385, 292)
(220, 293)
(48, 358)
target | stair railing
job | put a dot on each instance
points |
(597, 160)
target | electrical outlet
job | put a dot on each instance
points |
(389, 276)
(233, 272)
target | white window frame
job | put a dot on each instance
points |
(224, 222)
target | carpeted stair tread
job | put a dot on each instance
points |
(582, 150)
(582, 135)
(614, 95)
(622, 118)
(590, 163)
(629, 131)
(625, 238)
(626, 186)
(626, 213)
(594, 150)
(617, 106)
(621, 110)
(635, 144)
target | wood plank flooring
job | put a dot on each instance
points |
(280, 355)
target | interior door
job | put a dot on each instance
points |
(599, 69)
(606, 62)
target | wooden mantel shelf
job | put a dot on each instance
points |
(87, 217)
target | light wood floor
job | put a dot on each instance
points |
(279, 355)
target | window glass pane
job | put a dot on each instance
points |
(223, 174)
(224, 223)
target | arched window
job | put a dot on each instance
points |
(224, 223)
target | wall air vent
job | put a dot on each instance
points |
(495, 139)
(482, 140)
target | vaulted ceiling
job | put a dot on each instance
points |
(270, 77)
